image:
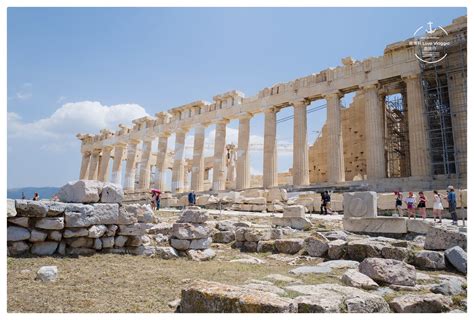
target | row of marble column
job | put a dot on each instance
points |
(95, 167)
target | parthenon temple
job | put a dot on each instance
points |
(406, 126)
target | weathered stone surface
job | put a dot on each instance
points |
(311, 269)
(381, 225)
(108, 242)
(458, 258)
(282, 278)
(396, 253)
(337, 249)
(80, 251)
(264, 287)
(200, 244)
(111, 230)
(296, 211)
(289, 246)
(11, 210)
(111, 193)
(18, 247)
(193, 215)
(79, 215)
(180, 244)
(389, 271)
(17, 233)
(30, 208)
(356, 279)
(255, 235)
(120, 241)
(419, 226)
(211, 297)
(46, 248)
(166, 253)
(61, 248)
(223, 237)
(450, 286)
(19, 221)
(442, 237)
(335, 235)
(38, 235)
(425, 303)
(276, 194)
(249, 246)
(56, 209)
(97, 244)
(365, 248)
(76, 232)
(248, 260)
(136, 229)
(47, 273)
(340, 264)
(295, 223)
(266, 246)
(50, 223)
(189, 231)
(97, 231)
(360, 204)
(81, 191)
(201, 255)
(81, 242)
(429, 260)
(336, 298)
(134, 241)
(55, 235)
(127, 215)
(316, 245)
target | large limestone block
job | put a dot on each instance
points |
(179, 244)
(111, 193)
(81, 242)
(81, 191)
(365, 248)
(458, 258)
(316, 245)
(56, 209)
(50, 223)
(46, 248)
(360, 204)
(11, 210)
(441, 237)
(80, 215)
(193, 215)
(258, 234)
(189, 231)
(429, 260)
(200, 244)
(419, 226)
(212, 297)
(389, 271)
(289, 246)
(381, 225)
(356, 279)
(136, 229)
(201, 255)
(424, 303)
(19, 221)
(276, 194)
(17, 233)
(18, 247)
(386, 201)
(38, 235)
(97, 231)
(252, 193)
(256, 200)
(296, 211)
(308, 203)
(294, 223)
(47, 273)
(75, 233)
(337, 202)
(30, 208)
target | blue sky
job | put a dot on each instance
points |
(132, 61)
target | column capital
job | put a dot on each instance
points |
(182, 130)
(86, 153)
(412, 76)
(221, 121)
(96, 152)
(107, 148)
(244, 115)
(300, 103)
(370, 86)
(272, 109)
(332, 94)
(203, 125)
(164, 134)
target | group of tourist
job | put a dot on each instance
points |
(155, 198)
(412, 205)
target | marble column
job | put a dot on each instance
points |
(335, 153)
(218, 172)
(270, 164)
(105, 164)
(86, 158)
(197, 171)
(417, 128)
(457, 86)
(94, 164)
(145, 164)
(130, 168)
(374, 133)
(119, 151)
(177, 179)
(161, 161)
(300, 144)
(243, 157)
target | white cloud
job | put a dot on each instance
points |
(25, 92)
(60, 128)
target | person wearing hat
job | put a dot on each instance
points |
(452, 204)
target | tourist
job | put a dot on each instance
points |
(422, 205)
(410, 201)
(399, 203)
(157, 193)
(23, 196)
(36, 197)
(153, 200)
(192, 198)
(325, 202)
(452, 204)
(437, 206)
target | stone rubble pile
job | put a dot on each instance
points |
(191, 235)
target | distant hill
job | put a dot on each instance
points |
(44, 192)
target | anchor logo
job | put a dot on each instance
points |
(430, 30)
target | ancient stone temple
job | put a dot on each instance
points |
(406, 126)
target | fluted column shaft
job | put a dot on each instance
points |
(300, 144)
(374, 133)
(419, 142)
(86, 158)
(177, 180)
(145, 164)
(270, 164)
(105, 164)
(130, 172)
(335, 154)
(197, 171)
(119, 151)
(218, 172)
(94, 165)
(161, 161)
(243, 157)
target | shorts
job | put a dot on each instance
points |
(421, 205)
(409, 205)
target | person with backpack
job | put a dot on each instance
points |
(192, 198)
